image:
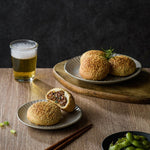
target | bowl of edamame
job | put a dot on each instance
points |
(127, 140)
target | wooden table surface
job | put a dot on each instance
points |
(106, 116)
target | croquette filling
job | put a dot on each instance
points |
(58, 97)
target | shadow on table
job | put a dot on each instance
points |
(39, 89)
(52, 136)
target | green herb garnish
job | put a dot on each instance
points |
(56, 101)
(6, 123)
(13, 131)
(1, 124)
(108, 53)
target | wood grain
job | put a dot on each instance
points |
(106, 116)
(135, 90)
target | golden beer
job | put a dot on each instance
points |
(24, 69)
(24, 58)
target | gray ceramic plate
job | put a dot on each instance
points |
(72, 68)
(67, 120)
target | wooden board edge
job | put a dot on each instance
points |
(103, 95)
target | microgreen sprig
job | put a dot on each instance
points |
(108, 53)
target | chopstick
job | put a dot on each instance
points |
(67, 140)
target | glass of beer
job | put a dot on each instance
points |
(24, 58)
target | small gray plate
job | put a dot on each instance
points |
(72, 68)
(67, 120)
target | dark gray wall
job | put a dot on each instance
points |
(67, 28)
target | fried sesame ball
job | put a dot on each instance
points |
(93, 66)
(44, 113)
(122, 65)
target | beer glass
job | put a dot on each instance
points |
(24, 58)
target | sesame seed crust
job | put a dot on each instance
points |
(122, 65)
(91, 52)
(93, 66)
(44, 113)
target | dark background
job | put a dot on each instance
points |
(67, 28)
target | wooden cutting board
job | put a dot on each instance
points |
(136, 90)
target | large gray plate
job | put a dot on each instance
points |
(72, 68)
(67, 120)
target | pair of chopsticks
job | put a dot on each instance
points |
(67, 140)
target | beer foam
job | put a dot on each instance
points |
(23, 50)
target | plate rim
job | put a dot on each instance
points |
(51, 127)
(122, 132)
(105, 82)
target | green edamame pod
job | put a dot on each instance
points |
(120, 140)
(129, 136)
(137, 144)
(139, 137)
(142, 137)
(136, 137)
(139, 149)
(114, 147)
(119, 146)
(145, 142)
(130, 148)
